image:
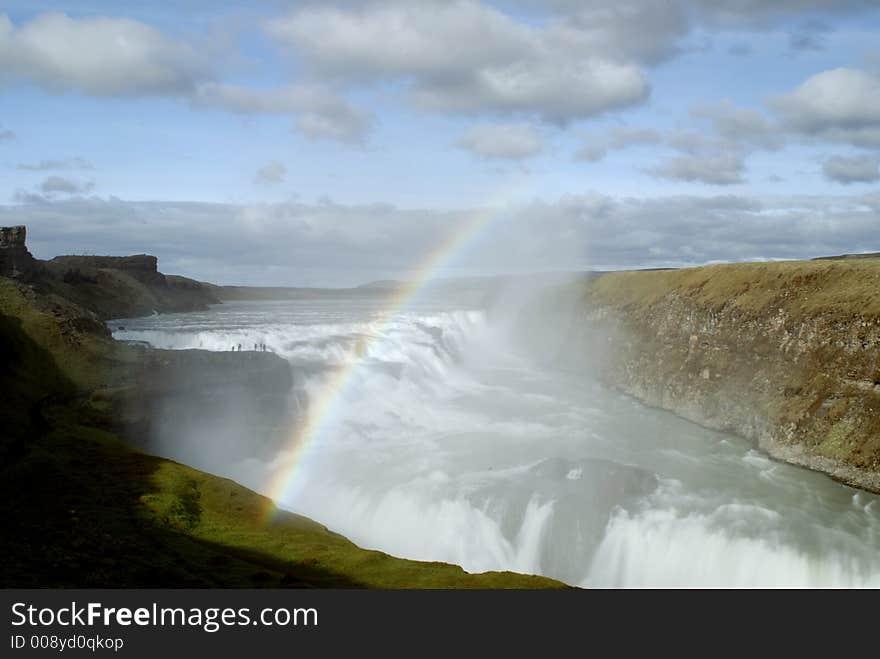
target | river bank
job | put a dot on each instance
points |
(784, 354)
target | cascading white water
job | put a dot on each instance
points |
(448, 444)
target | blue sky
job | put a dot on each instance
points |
(332, 143)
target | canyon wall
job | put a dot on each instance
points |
(785, 354)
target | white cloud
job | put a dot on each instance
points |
(97, 56)
(763, 13)
(319, 112)
(632, 30)
(465, 57)
(104, 56)
(717, 156)
(555, 91)
(271, 173)
(63, 164)
(339, 122)
(840, 105)
(712, 169)
(597, 147)
(53, 188)
(393, 39)
(60, 185)
(653, 28)
(856, 169)
(704, 159)
(745, 126)
(512, 141)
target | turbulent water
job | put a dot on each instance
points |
(450, 443)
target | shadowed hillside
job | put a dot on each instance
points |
(125, 286)
(88, 510)
(108, 286)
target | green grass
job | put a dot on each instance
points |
(89, 511)
(801, 288)
(80, 508)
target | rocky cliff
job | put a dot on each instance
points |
(15, 259)
(785, 354)
(143, 267)
(109, 286)
(127, 286)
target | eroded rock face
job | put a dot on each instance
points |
(143, 267)
(15, 259)
(805, 385)
(126, 286)
(12, 236)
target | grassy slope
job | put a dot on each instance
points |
(115, 293)
(802, 288)
(80, 508)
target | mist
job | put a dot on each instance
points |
(472, 429)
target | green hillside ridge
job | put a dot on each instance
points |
(122, 286)
(802, 288)
(82, 508)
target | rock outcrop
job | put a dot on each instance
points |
(16, 262)
(109, 286)
(142, 267)
(127, 286)
(785, 354)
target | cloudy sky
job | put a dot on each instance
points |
(333, 143)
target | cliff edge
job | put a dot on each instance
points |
(126, 286)
(786, 354)
(109, 286)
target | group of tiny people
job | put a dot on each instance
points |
(258, 347)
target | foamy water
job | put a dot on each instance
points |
(450, 444)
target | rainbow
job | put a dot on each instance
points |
(323, 407)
